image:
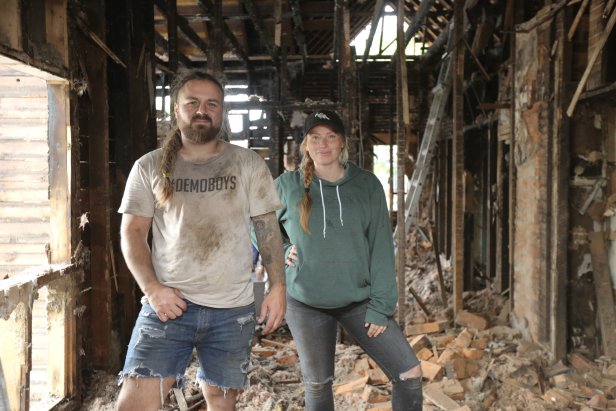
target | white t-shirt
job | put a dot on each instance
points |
(201, 243)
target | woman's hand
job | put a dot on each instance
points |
(292, 258)
(375, 330)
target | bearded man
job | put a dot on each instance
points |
(198, 195)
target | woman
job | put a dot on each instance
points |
(340, 266)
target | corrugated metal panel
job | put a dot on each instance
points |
(24, 172)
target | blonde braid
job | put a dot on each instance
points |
(171, 146)
(307, 166)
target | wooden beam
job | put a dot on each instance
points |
(458, 157)
(208, 7)
(162, 43)
(261, 28)
(603, 290)
(378, 12)
(215, 53)
(172, 34)
(298, 28)
(591, 63)
(578, 18)
(183, 25)
(559, 213)
(16, 348)
(402, 132)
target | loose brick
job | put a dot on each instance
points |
(424, 354)
(427, 328)
(471, 320)
(420, 341)
(472, 353)
(374, 395)
(357, 384)
(431, 371)
(463, 340)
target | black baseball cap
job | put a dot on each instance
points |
(324, 117)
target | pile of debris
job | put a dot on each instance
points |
(476, 362)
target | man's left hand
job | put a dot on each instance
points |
(273, 308)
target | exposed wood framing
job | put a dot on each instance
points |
(162, 43)
(207, 5)
(558, 214)
(214, 55)
(596, 25)
(181, 23)
(261, 28)
(94, 134)
(418, 18)
(591, 62)
(378, 12)
(515, 11)
(578, 18)
(298, 28)
(172, 34)
(603, 290)
(458, 157)
(403, 128)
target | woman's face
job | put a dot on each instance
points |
(324, 145)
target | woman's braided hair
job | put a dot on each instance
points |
(173, 141)
(307, 167)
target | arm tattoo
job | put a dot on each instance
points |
(269, 240)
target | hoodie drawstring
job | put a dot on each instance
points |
(339, 205)
(323, 206)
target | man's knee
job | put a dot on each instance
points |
(143, 393)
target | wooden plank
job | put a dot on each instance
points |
(15, 348)
(560, 200)
(578, 18)
(603, 291)
(57, 28)
(591, 63)
(10, 24)
(58, 173)
(403, 125)
(458, 158)
(439, 399)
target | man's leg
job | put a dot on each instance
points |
(224, 341)
(143, 394)
(156, 359)
(217, 399)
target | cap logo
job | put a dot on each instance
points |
(322, 116)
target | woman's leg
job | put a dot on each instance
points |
(392, 352)
(314, 332)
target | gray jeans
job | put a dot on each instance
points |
(314, 331)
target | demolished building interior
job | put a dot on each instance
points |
(497, 119)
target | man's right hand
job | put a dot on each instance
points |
(167, 302)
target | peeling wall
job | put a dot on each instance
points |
(531, 158)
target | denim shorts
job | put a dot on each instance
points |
(222, 338)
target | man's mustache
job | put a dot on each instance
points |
(201, 117)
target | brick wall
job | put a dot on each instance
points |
(531, 240)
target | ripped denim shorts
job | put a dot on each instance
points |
(222, 338)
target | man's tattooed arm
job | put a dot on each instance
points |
(269, 241)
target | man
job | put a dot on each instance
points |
(198, 194)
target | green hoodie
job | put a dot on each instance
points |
(348, 255)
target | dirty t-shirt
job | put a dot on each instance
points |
(201, 243)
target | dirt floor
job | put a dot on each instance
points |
(475, 363)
